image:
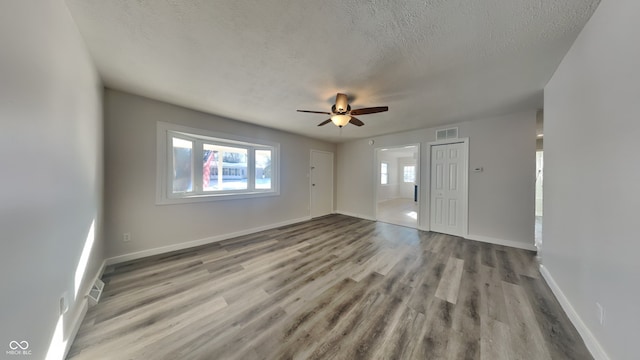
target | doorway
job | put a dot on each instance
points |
(397, 185)
(448, 195)
(539, 178)
(321, 183)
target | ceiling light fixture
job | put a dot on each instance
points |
(341, 113)
(340, 120)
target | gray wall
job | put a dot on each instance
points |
(501, 199)
(130, 182)
(51, 187)
(590, 235)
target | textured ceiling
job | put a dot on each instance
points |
(432, 61)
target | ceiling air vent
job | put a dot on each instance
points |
(445, 134)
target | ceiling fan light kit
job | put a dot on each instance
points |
(341, 113)
(340, 120)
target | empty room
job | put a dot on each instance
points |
(319, 179)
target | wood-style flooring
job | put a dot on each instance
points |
(336, 287)
(399, 211)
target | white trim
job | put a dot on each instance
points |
(99, 274)
(465, 187)
(333, 180)
(509, 243)
(84, 307)
(590, 340)
(360, 216)
(193, 243)
(77, 321)
(165, 131)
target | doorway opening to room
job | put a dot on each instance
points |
(539, 192)
(398, 172)
(539, 179)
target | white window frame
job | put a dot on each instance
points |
(164, 173)
(384, 180)
(404, 174)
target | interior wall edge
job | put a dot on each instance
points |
(496, 241)
(84, 307)
(360, 216)
(589, 339)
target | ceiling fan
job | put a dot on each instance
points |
(341, 113)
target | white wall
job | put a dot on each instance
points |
(391, 189)
(51, 184)
(130, 128)
(501, 199)
(592, 173)
(405, 190)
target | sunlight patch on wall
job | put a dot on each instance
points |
(58, 343)
(84, 258)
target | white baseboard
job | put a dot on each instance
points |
(99, 273)
(84, 306)
(194, 243)
(590, 340)
(510, 243)
(360, 216)
(77, 321)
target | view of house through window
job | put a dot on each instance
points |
(203, 165)
(224, 168)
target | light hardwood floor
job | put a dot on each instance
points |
(336, 287)
(399, 211)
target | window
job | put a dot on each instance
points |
(384, 173)
(409, 173)
(199, 165)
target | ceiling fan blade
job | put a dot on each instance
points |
(356, 122)
(370, 110)
(325, 122)
(314, 112)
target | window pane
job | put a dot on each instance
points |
(263, 169)
(209, 167)
(182, 169)
(226, 172)
(383, 174)
(409, 173)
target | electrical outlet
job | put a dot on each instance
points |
(600, 313)
(126, 237)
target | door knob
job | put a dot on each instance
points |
(313, 184)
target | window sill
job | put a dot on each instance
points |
(214, 197)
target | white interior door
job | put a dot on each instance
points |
(448, 188)
(321, 176)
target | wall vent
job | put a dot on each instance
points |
(95, 292)
(445, 134)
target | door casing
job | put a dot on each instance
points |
(317, 183)
(464, 182)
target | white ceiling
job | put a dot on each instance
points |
(432, 61)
